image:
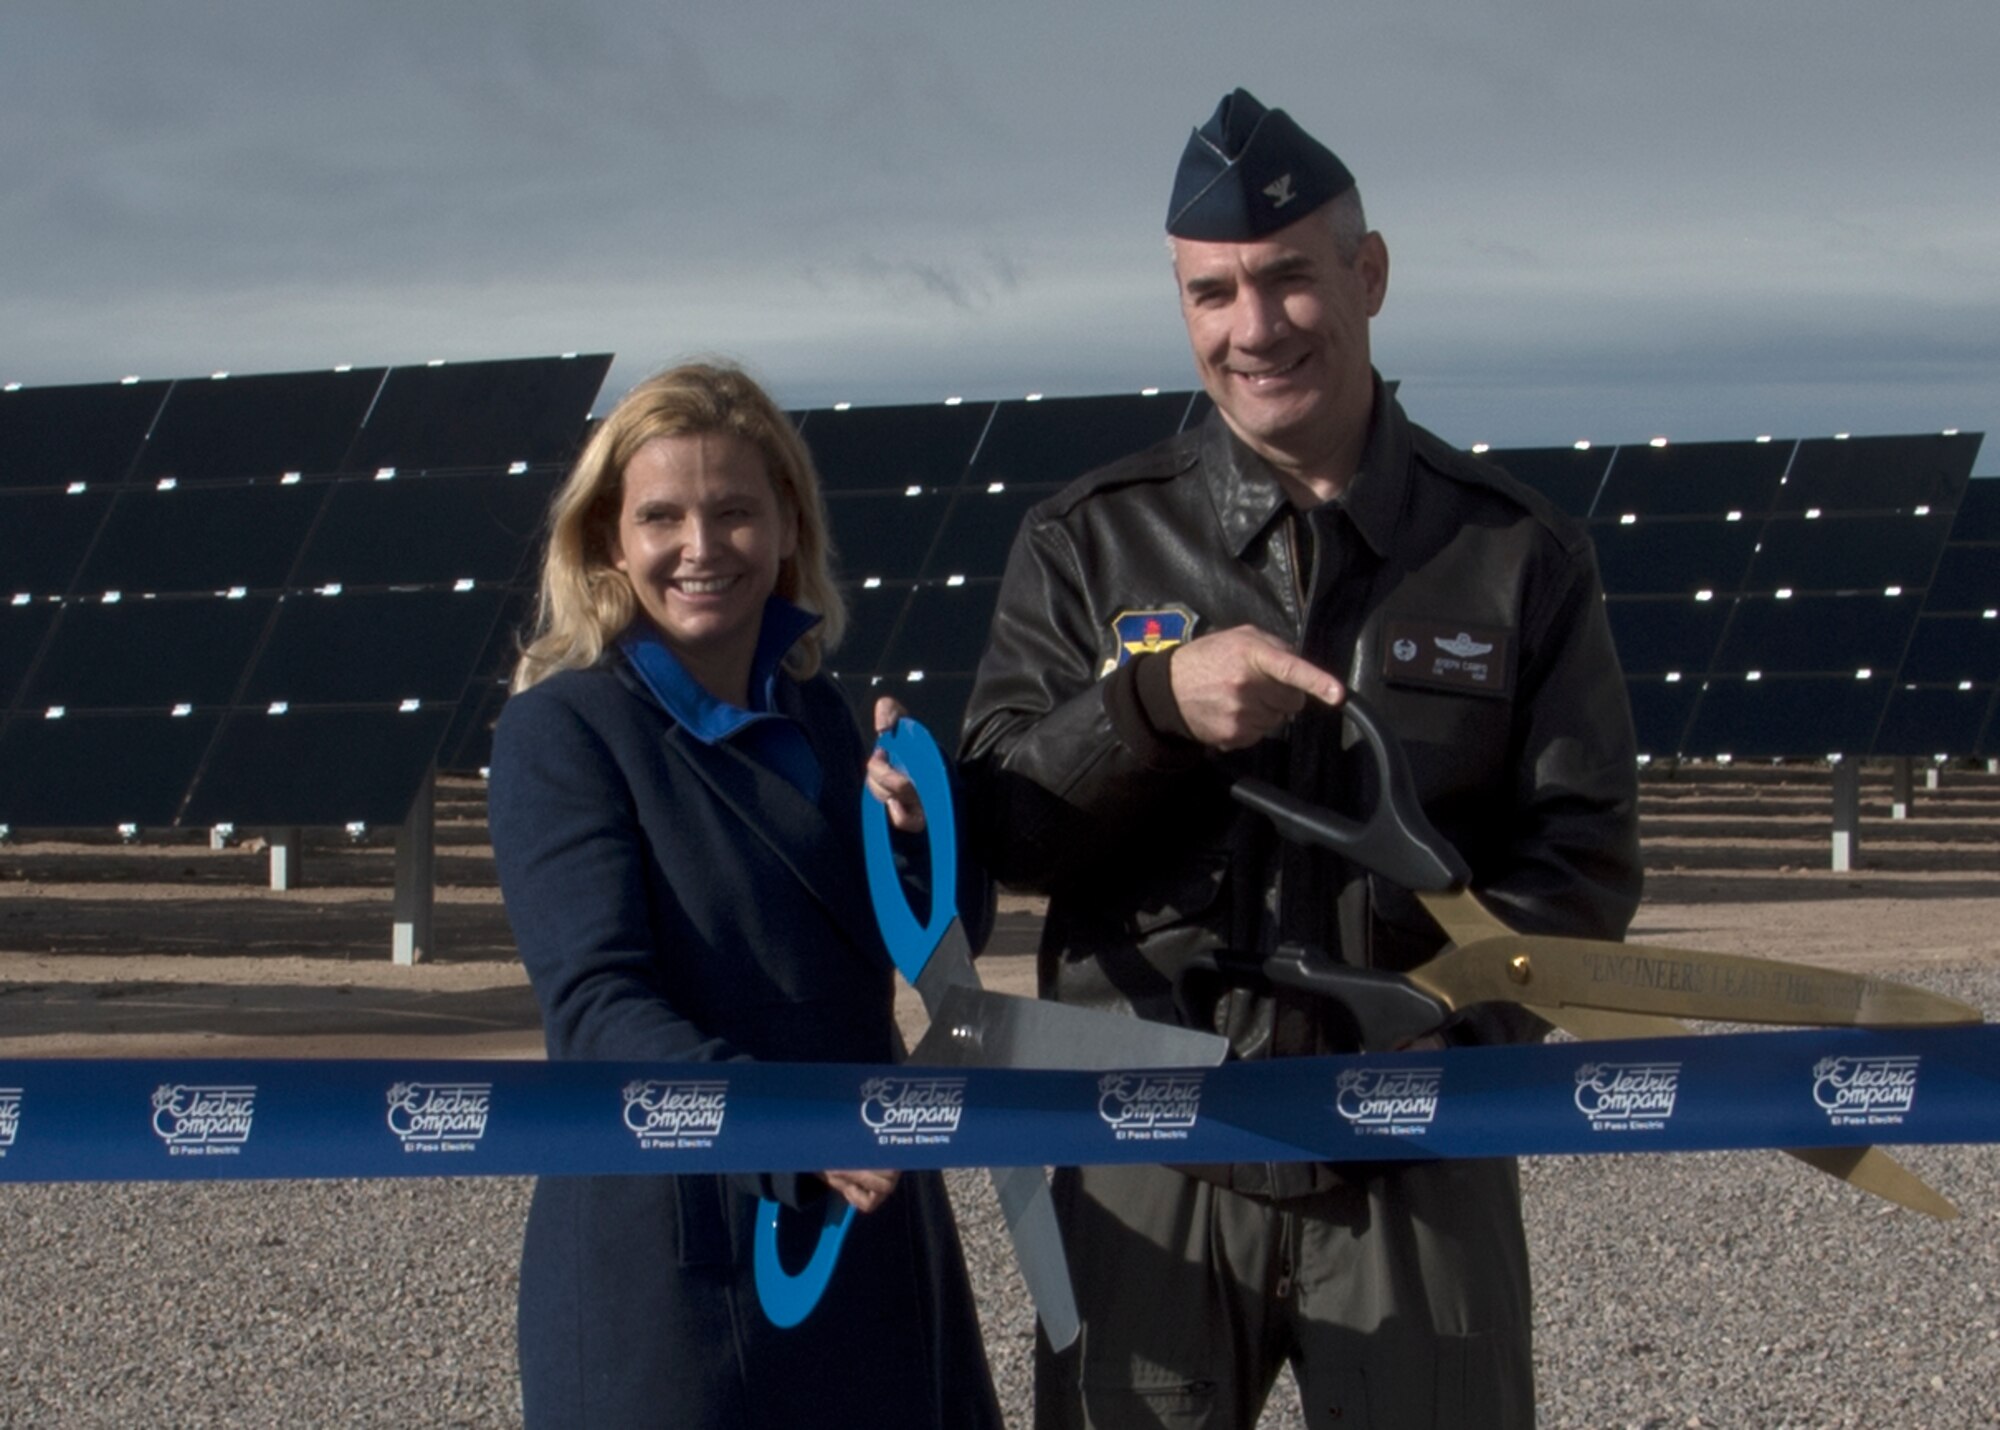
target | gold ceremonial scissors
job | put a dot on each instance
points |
(1590, 988)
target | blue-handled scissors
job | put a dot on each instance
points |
(970, 1024)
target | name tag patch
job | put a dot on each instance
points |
(1474, 660)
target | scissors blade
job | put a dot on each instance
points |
(949, 966)
(974, 1026)
(1677, 982)
(1030, 1212)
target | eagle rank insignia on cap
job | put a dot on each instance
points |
(1248, 172)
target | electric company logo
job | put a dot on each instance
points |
(10, 1117)
(1399, 1102)
(1150, 1107)
(912, 1111)
(1627, 1097)
(1865, 1092)
(440, 1116)
(669, 1116)
(204, 1121)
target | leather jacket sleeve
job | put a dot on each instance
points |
(1052, 780)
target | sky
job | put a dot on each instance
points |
(1610, 220)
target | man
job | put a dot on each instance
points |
(1196, 613)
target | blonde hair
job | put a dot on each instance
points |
(585, 602)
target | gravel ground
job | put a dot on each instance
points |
(1673, 1291)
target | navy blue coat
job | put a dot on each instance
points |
(674, 899)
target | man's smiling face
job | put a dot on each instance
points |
(1279, 329)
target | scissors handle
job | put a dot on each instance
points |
(788, 1297)
(912, 750)
(1397, 840)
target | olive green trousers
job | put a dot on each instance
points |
(1400, 1300)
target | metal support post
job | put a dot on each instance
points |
(1902, 780)
(416, 876)
(286, 862)
(1846, 814)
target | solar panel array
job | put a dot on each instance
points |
(1812, 597)
(264, 600)
(279, 600)
(1768, 598)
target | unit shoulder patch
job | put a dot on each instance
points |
(1141, 632)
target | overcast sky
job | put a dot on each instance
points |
(1609, 219)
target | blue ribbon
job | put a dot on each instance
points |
(128, 1120)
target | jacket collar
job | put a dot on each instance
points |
(1248, 495)
(705, 716)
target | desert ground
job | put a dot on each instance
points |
(166, 947)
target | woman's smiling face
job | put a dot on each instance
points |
(701, 535)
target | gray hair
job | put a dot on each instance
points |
(1343, 216)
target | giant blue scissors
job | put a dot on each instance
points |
(970, 1025)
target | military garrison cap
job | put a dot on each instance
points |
(1249, 172)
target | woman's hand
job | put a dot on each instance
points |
(864, 1191)
(889, 784)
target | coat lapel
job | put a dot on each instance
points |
(819, 842)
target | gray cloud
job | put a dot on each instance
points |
(1602, 211)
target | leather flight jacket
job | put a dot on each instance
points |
(1457, 599)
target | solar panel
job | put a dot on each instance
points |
(978, 530)
(148, 655)
(1954, 648)
(187, 623)
(43, 538)
(1826, 634)
(22, 630)
(1878, 473)
(316, 767)
(1978, 517)
(1693, 479)
(1674, 557)
(480, 414)
(381, 647)
(1662, 635)
(52, 436)
(884, 535)
(1568, 476)
(872, 615)
(1661, 711)
(1050, 442)
(478, 526)
(1967, 580)
(888, 449)
(93, 768)
(202, 538)
(1787, 715)
(258, 426)
(1849, 552)
(1933, 721)
(944, 629)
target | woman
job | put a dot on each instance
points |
(674, 799)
